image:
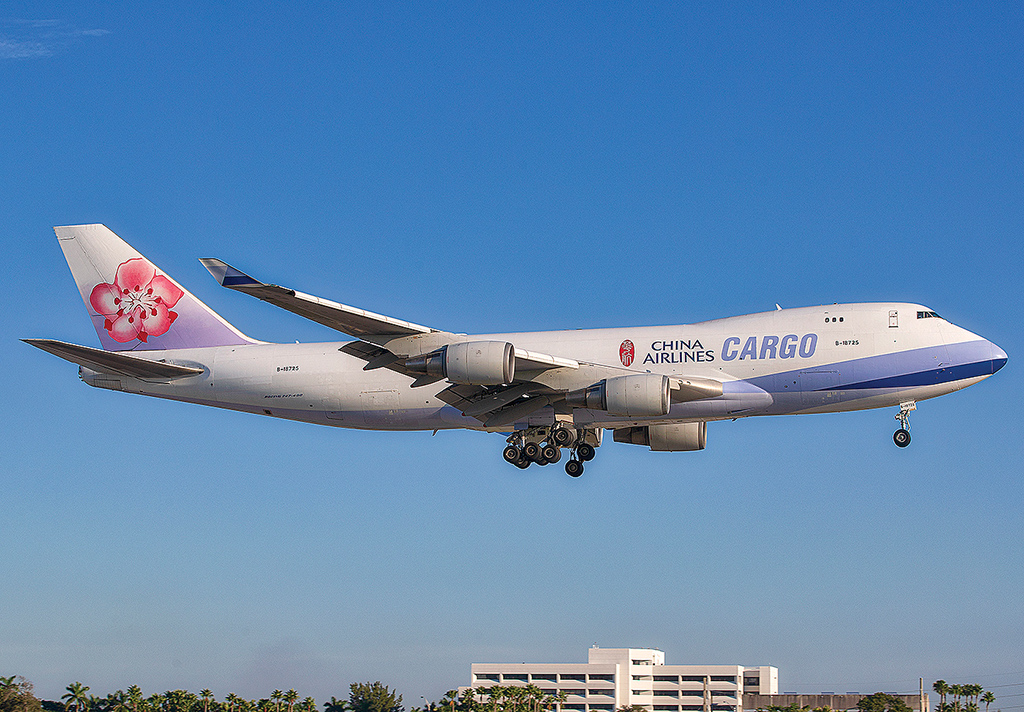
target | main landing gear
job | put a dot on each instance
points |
(543, 446)
(902, 436)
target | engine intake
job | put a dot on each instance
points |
(681, 437)
(641, 395)
(469, 363)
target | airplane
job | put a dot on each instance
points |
(654, 386)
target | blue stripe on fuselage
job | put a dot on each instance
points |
(902, 369)
(945, 374)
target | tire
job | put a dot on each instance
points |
(561, 436)
(901, 437)
(574, 468)
(511, 454)
(551, 453)
(586, 452)
(532, 451)
(522, 463)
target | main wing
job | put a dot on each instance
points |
(386, 342)
(341, 317)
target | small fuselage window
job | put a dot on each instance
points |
(928, 315)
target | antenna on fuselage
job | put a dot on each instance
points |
(778, 308)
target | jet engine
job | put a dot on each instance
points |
(640, 395)
(469, 363)
(682, 437)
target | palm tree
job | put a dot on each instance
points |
(450, 698)
(134, 697)
(76, 697)
(988, 698)
(336, 705)
(974, 690)
(307, 705)
(290, 698)
(941, 688)
(206, 696)
(957, 691)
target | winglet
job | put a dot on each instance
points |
(227, 275)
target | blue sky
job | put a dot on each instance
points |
(504, 167)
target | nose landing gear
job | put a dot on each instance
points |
(902, 436)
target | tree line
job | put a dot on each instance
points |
(17, 695)
(964, 698)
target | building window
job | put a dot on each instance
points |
(667, 707)
(493, 677)
(751, 682)
(605, 693)
(691, 678)
(545, 676)
(723, 678)
(572, 678)
(665, 693)
(666, 678)
(602, 678)
(580, 693)
(514, 676)
(642, 662)
(602, 708)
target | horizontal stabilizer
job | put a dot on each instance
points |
(348, 320)
(114, 362)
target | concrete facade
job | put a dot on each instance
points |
(620, 677)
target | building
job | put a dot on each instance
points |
(621, 677)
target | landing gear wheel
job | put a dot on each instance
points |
(561, 436)
(522, 463)
(512, 454)
(574, 468)
(586, 452)
(901, 437)
(532, 451)
(551, 453)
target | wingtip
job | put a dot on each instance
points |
(227, 275)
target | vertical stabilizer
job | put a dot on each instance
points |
(134, 305)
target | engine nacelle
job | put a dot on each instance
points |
(681, 437)
(469, 363)
(640, 395)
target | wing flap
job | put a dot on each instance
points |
(341, 317)
(115, 362)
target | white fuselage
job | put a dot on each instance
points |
(813, 359)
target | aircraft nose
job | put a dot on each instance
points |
(998, 357)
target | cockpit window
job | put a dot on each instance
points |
(928, 315)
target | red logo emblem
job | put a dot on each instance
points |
(626, 352)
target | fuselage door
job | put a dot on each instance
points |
(894, 319)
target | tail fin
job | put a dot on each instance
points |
(132, 304)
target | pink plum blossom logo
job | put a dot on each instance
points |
(138, 304)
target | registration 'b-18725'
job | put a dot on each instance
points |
(547, 392)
